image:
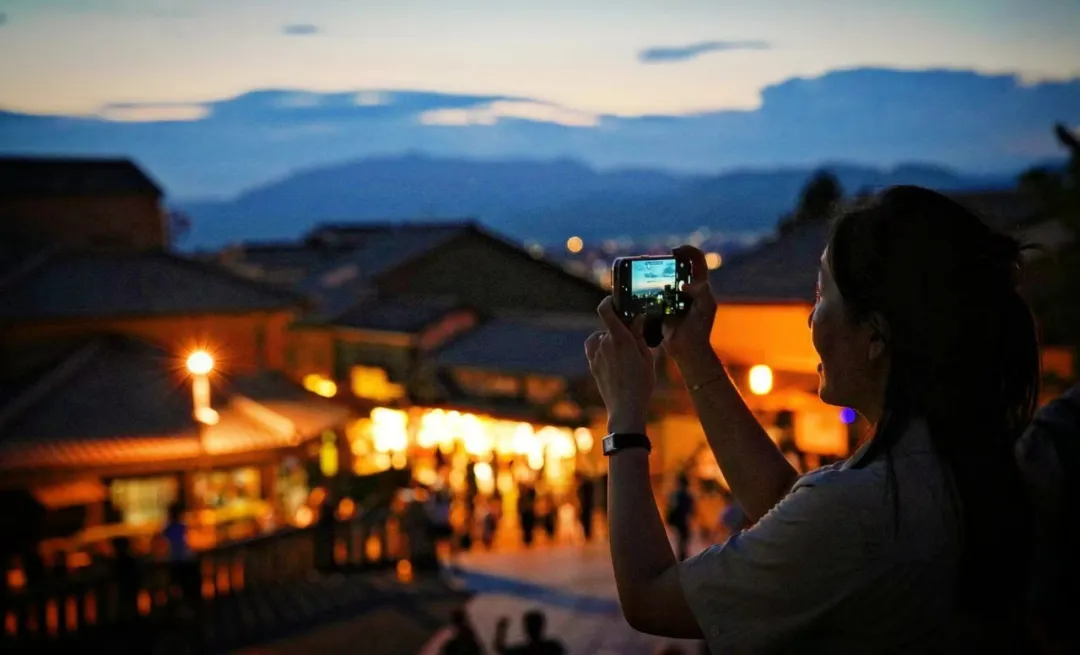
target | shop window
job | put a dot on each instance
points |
(483, 383)
(222, 489)
(143, 500)
(373, 383)
(542, 391)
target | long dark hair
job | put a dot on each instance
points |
(964, 357)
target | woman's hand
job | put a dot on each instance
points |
(624, 369)
(688, 336)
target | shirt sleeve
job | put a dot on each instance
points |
(805, 556)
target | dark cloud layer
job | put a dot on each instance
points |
(300, 29)
(961, 119)
(671, 54)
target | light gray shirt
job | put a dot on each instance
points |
(832, 567)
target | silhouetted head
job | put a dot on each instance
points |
(534, 625)
(918, 316)
(459, 618)
(682, 481)
(175, 512)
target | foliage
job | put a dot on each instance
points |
(817, 202)
(1055, 282)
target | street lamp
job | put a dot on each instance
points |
(200, 363)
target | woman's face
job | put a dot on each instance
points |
(853, 367)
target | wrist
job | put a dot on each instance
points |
(619, 424)
(700, 367)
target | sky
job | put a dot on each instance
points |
(613, 57)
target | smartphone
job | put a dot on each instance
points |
(650, 285)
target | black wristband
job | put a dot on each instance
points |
(617, 441)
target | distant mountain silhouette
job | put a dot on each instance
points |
(870, 116)
(543, 201)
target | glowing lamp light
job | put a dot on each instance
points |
(713, 260)
(575, 244)
(761, 380)
(200, 362)
(847, 416)
(584, 439)
(389, 429)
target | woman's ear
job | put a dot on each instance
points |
(879, 337)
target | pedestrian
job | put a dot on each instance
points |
(586, 494)
(679, 513)
(526, 507)
(464, 641)
(535, 641)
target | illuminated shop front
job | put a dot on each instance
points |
(439, 443)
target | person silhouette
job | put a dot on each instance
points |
(535, 643)
(464, 641)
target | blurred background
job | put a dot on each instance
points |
(293, 294)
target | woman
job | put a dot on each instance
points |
(901, 548)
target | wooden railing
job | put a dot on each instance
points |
(90, 608)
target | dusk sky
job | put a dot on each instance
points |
(627, 57)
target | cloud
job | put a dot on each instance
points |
(153, 113)
(300, 29)
(670, 54)
(961, 119)
(489, 114)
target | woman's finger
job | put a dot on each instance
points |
(592, 344)
(616, 329)
(637, 328)
(699, 269)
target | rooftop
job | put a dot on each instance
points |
(116, 400)
(523, 344)
(62, 176)
(402, 314)
(83, 285)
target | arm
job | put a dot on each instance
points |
(757, 471)
(646, 574)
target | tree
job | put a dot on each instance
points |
(817, 201)
(1055, 282)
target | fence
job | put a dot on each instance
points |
(100, 605)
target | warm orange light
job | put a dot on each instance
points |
(584, 439)
(761, 380)
(200, 362)
(713, 260)
(575, 244)
(373, 548)
(16, 579)
(346, 509)
(404, 571)
(304, 517)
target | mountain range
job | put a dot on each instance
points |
(962, 119)
(537, 201)
(269, 162)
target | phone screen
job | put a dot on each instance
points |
(655, 284)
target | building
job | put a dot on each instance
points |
(445, 337)
(104, 421)
(80, 204)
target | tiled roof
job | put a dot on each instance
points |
(336, 284)
(308, 412)
(117, 284)
(404, 314)
(44, 176)
(783, 269)
(121, 401)
(115, 397)
(521, 344)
